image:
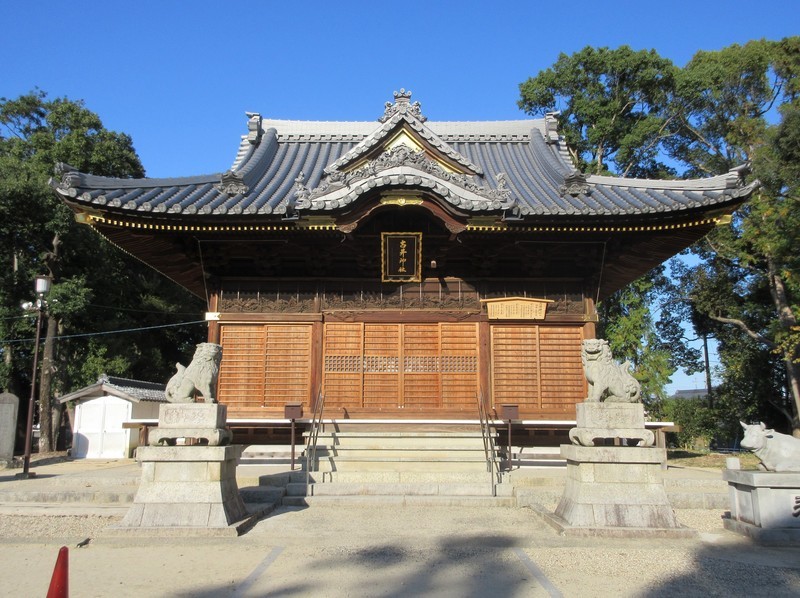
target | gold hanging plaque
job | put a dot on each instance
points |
(401, 257)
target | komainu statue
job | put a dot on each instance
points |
(200, 376)
(608, 380)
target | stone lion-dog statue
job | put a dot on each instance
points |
(200, 376)
(607, 379)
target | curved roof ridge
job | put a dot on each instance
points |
(551, 160)
(446, 130)
(256, 162)
(729, 180)
(74, 178)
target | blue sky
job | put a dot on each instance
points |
(179, 76)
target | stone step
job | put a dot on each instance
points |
(400, 442)
(705, 484)
(372, 463)
(472, 433)
(401, 454)
(698, 500)
(402, 500)
(396, 477)
(262, 494)
(386, 488)
(390, 489)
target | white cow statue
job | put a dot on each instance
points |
(778, 452)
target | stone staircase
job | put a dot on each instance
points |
(399, 464)
(355, 467)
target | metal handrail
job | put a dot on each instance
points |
(488, 445)
(311, 445)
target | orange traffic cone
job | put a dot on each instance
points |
(59, 583)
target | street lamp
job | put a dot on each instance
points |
(42, 286)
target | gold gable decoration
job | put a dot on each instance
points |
(516, 308)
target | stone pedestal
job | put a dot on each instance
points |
(765, 505)
(615, 491)
(188, 490)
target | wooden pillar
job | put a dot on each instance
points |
(317, 360)
(485, 362)
(590, 319)
(213, 325)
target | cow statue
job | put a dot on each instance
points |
(778, 452)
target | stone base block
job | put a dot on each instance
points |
(170, 436)
(188, 489)
(192, 415)
(588, 436)
(764, 505)
(609, 415)
(610, 420)
(613, 488)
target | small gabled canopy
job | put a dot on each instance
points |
(134, 391)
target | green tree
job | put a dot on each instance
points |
(612, 105)
(635, 114)
(38, 235)
(748, 279)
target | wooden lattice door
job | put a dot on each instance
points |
(410, 367)
(264, 366)
(538, 368)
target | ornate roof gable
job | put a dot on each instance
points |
(403, 152)
(403, 114)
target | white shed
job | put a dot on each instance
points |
(101, 410)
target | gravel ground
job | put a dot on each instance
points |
(406, 551)
(52, 527)
(65, 526)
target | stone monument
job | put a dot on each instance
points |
(188, 484)
(614, 481)
(765, 504)
(9, 408)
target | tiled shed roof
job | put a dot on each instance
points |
(132, 390)
(518, 168)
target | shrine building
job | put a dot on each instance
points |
(401, 268)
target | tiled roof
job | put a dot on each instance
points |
(519, 168)
(132, 390)
(144, 391)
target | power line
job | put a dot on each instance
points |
(30, 340)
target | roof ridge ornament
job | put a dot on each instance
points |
(551, 127)
(402, 105)
(254, 131)
(232, 183)
(575, 183)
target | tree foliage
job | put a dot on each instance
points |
(635, 114)
(612, 104)
(96, 288)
